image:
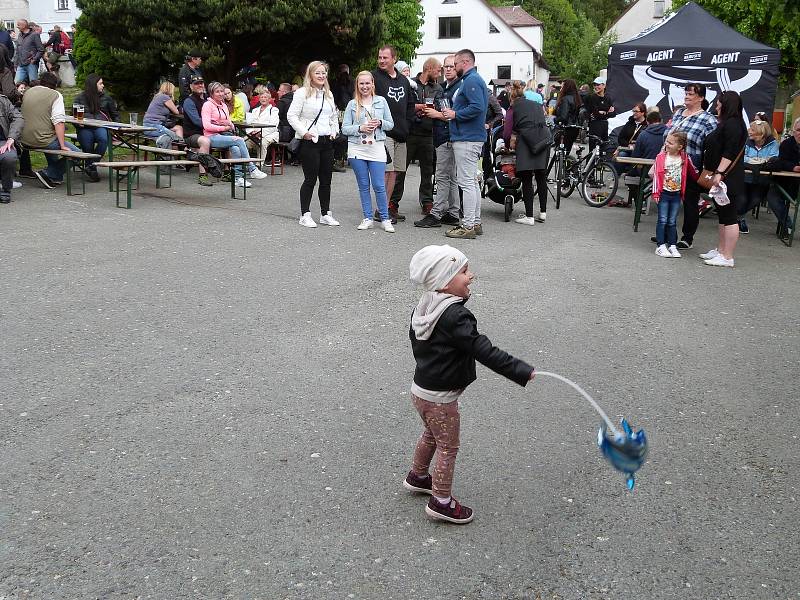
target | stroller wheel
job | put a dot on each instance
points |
(508, 207)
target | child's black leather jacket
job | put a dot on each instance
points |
(446, 361)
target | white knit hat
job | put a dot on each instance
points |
(401, 64)
(434, 266)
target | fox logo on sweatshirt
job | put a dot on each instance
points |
(396, 93)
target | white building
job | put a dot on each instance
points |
(638, 17)
(507, 41)
(11, 10)
(53, 12)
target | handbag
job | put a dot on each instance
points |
(706, 177)
(543, 144)
(294, 145)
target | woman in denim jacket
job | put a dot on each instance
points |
(367, 118)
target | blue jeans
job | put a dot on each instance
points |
(777, 204)
(366, 170)
(668, 208)
(27, 73)
(159, 131)
(93, 140)
(237, 147)
(56, 166)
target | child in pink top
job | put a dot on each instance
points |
(670, 171)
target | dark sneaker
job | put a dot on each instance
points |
(684, 245)
(428, 221)
(452, 512)
(393, 212)
(449, 219)
(478, 229)
(338, 168)
(27, 174)
(743, 226)
(462, 233)
(653, 239)
(422, 485)
(204, 180)
(45, 180)
(92, 175)
(5, 198)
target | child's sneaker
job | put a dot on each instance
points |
(415, 483)
(663, 252)
(452, 512)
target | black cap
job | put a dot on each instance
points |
(196, 79)
(194, 53)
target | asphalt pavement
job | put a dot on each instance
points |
(202, 399)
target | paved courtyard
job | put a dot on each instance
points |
(202, 399)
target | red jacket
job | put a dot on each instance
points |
(657, 173)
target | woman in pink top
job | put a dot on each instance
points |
(219, 129)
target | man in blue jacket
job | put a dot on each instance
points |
(467, 134)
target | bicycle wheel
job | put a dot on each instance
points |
(599, 185)
(508, 207)
(567, 182)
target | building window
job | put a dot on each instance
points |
(493, 28)
(504, 72)
(62, 5)
(10, 25)
(658, 9)
(449, 27)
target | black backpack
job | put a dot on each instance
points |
(211, 163)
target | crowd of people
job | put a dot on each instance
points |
(383, 120)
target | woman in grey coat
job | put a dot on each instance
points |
(532, 133)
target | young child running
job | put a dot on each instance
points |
(446, 344)
(669, 172)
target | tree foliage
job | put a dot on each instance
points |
(282, 35)
(602, 13)
(772, 22)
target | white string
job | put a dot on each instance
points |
(585, 395)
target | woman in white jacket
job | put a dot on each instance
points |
(315, 120)
(264, 114)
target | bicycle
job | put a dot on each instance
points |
(594, 173)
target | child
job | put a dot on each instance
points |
(446, 343)
(669, 173)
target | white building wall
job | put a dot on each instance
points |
(638, 17)
(11, 10)
(47, 13)
(505, 48)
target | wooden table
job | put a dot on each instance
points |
(243, 126)
(125, 134)
(643, 176)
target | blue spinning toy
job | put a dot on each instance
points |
(626, 449)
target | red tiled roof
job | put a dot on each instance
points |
(515, 16)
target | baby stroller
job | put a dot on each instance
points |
(503, 187)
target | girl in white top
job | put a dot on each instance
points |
(315, 120)
(366, 120)
(264, 114)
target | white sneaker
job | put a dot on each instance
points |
(257, 174)
(674, 252)
(387, 226)
(240, 182)
(710, 254)
(366, 224)
(17, 185)
(307, 221)
(327, 219)
(523, 220)
(719, 261)
(542, 217)
(663, 252)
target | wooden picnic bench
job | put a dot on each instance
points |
(75, 159)
(230, 162)
(131, 170)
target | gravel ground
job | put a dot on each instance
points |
(202, 399)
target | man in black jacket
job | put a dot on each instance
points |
(393, 85)
(788, 160)
(189, 70)
(420, 139)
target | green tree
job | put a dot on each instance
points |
(772, 22)
(400, 25)
(283, 35)
(602, 13)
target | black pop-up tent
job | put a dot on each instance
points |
(691, 46)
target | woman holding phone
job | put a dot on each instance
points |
(367, 118)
